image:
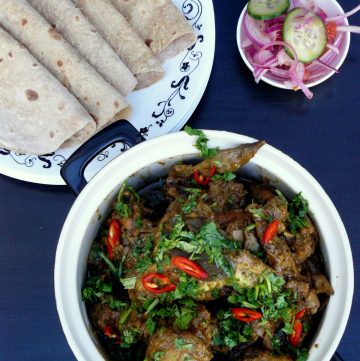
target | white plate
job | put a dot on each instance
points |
(163, 108)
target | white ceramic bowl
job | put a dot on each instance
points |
(331, 8)
(145, 162)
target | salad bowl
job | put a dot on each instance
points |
(331, 8)
(151, 160)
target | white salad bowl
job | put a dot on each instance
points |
(331, 8)
(149, 161)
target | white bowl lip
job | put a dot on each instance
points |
(173, 139)
(276, 84)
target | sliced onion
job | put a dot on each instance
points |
(326, 66)
(279, 19)
(299, 83)
(263, 56)
(272, 28)
(255, 30)
(348, 28)
(306, 4)
(245, 42)
(343, 16)
(322, 14)
(333, 48)
(280, 72)
(260, 74)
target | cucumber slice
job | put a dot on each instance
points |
(306, 32)
(267, 9)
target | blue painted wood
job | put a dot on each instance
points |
(322, 135)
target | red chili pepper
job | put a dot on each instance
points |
(157, 283)
(109, 332)
(245, 314)
(114, 233)
(200, 179)
(295, 337)
(109, 249)
(271, 231)
(113, 237)
(331, 31)
(189, 267)
(300, 315)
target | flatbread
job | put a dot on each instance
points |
(104, 103)
(70, 22)
(124, 40)
(160, 24)
(37, 113)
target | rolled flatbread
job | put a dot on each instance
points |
(37, 113)
(104, 103)
(160, 24)
(124, 40)
(70, 22)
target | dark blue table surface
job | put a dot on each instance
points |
(322, 135)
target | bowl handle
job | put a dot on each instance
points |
(73, 170)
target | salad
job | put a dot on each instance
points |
(295, 42)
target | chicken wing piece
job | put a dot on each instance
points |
(169, 345)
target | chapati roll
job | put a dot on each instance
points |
(124, 40)
(104, 103)
(160, 24)
(37, 113)
(70, 22)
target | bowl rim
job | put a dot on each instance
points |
(98, 189)
(279, 85)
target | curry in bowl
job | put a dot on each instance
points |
(204, 265)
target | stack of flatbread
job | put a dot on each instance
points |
(66, 66)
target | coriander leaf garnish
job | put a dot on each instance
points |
(129, 337)
(158, 355)
(128, 283)
(298, 209)
(201, 142)
(180, 344)
(190, 204)
(227, 177)
(260, 214)
(126, 196)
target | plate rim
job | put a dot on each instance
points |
(56, 180)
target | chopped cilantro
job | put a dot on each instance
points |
(158, 355)
(298, 209)
(128, 283)
(250, 227)
(216, 293)
(202, 142)
(126, 195)
(182, 312)
(227, 177)
(209, 240)
(283, 198)
(108, 262)
(190, 204)
(114, 304)
(259, 213)
(125, 315)
(138, 222)
(129, 337)
(230, 331)
(186, 287)
(95, 288)
(123, 209)
(181, 345)
(151, 325)
(302, 354)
